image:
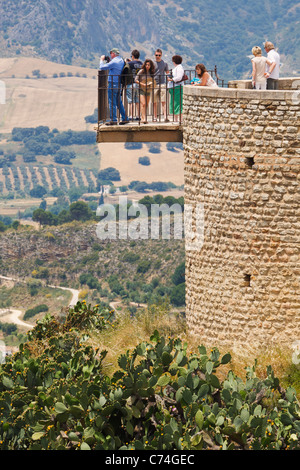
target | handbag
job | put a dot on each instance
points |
(184, 78)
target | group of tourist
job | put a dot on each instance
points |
(265, 70)
(153, 79)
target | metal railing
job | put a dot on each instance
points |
(142, 103)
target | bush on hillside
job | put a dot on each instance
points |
(109, 174)
(31, 312)
(38, 191)
(177, 296)
(144, 161)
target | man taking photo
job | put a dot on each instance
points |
(115, 67)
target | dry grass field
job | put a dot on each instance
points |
(164, 166)
(60, 102)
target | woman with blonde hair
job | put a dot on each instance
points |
(259, 74)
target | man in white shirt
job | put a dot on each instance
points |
(273, 70)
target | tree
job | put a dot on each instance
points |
(36, 73)
(2, 226)
(38, 191)
(64, 217)
(179, 274)
(63, 157)
(177, 296)
(154, 147)
(158, 186)
(144, 161)
(43, 217)
(141, 186)
(147, 201)
(80, 211)
(75, 193)
(15, 224)
(143, 266)
(43, 204)
(108, 174)
(92, 118)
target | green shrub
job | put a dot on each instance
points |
(7, 329)
(160, 397)
(131, 257)
(144, 161)
(31, 312)
(143, 266)
(178, 276)
(177, 296)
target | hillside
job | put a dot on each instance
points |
(218, 32)
(72, 255)
(32, 100)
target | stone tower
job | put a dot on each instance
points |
(242, 159)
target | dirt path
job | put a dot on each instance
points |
(74, 292)
(9, 315)
(13, 316)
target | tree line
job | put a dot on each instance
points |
(41, 141)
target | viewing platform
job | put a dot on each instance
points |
(135, 132)
(148, 122)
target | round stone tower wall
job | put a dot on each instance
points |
(242, 158)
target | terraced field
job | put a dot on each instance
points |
(25, 177)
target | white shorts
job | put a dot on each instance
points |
(261, 85)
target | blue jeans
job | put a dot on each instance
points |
(115, 101)
(132, 94)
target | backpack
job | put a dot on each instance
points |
(126, 75)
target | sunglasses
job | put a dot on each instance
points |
(157, 55)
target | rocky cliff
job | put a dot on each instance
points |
(78, 31)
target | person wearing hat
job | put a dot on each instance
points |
(114, 67)
(273, 70)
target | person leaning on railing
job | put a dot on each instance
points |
(203, 77)
(175, 87)
(146, 83)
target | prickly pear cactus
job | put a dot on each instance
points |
(160, 397)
